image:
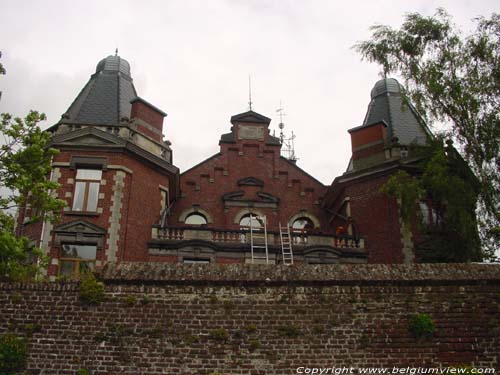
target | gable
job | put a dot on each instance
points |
(80, 226)
(87, 136)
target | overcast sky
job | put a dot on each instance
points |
(192, 59)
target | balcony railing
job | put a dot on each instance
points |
(299, 238)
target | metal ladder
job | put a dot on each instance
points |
(286, 245)
(256, 234)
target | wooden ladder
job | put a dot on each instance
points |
(258, 239)
(286, 245)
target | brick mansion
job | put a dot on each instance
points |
(127, 201)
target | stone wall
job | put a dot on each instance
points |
(248, 319)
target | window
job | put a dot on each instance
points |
(250, 220)
(195, 219)
(430, 215)
(76, 258)
(87, 190)
(303, 223)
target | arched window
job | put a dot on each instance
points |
(195, 219)
(251, 220)
(302, 223)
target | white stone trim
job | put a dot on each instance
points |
(60, 164)
(119, 167)
(116, 215)
(47, 225)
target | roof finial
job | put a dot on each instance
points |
(250, 92)
(116, 51)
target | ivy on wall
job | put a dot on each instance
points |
(449, 184)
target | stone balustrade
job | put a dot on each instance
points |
(299, 238)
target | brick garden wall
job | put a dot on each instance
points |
(245, 319)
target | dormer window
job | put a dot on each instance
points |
(87, 190)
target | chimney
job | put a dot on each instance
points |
(367, 143)
(147, 118)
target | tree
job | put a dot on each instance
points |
(452, 79)
(25, 164)
(447, 181)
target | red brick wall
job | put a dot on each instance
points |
(376, 216)
(229, 320)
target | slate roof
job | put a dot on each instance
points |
(106, 97)
(229, 138)
(252, 117)
(388, 105)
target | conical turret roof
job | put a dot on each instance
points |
(388, 105)
(106, 97)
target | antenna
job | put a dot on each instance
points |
(250, 92)
(116, 51)
(287, 143)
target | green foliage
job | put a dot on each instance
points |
(2, 69)
(219, 334)
(254, 345)
(130, 300)
(452, 188)
(251, 328)
(13, 354)
(31, 328)
(452, 78)
(421, 326)
(91, 290)
(407, 190)
(289, 331)
(83, 371)
(448, 181)
(25, 164)
(16, 298)
(191, 339)
(17, 257)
